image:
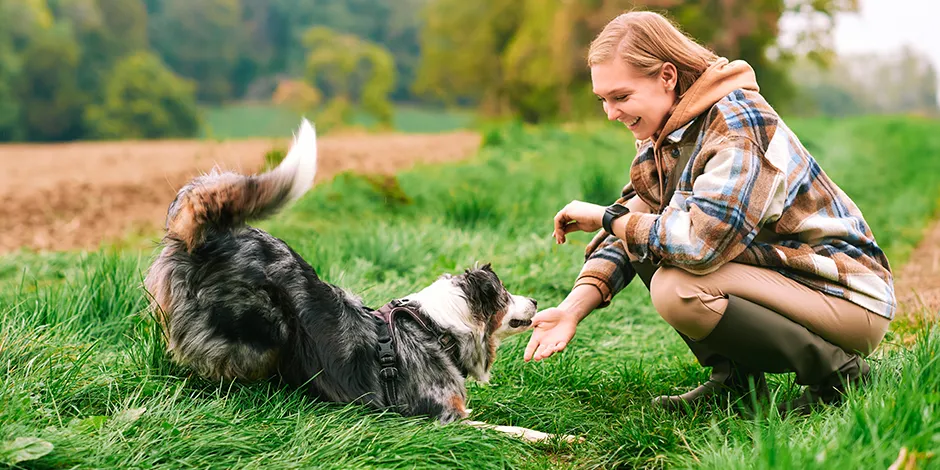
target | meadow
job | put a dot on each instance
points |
(84, 374)
(247, 120)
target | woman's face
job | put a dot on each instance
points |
(641, 103)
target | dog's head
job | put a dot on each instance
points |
(477, 310)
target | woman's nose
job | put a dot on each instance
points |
(612, 113)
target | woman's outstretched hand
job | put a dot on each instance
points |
(552, 329)
(577, 215)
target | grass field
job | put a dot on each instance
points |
(246, 120)
(82, 371)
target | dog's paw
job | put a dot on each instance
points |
(526, 434)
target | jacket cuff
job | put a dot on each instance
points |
(596, 280)
(639, 232)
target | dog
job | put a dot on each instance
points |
(237, 304)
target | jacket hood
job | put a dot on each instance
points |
(718, 80)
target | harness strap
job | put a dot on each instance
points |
(386, 353)
(387, 360)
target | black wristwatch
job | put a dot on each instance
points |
(613, 211)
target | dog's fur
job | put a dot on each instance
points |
(236, 303)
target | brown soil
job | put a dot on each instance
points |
(918, 282)
(80, 195)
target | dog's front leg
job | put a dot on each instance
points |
(526, 434)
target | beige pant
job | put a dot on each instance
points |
(693, 304)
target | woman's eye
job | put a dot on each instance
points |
(622, 97)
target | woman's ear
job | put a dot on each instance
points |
(669, 76)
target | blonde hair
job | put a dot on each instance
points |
(647, 40)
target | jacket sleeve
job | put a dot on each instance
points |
(607, 266)
(736, 193)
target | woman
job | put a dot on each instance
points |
(749, 250)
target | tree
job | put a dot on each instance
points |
(200, 40)
(20, 21)
(351, 71)
(394, 25)
(528, 59)
(51, 101)
(106, 31)
(10, 128)
(462, 45)
(145, 100)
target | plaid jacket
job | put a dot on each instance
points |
(751, 193)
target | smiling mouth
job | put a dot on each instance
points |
(518, 323)
(633, 122)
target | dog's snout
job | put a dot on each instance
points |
(535, 303)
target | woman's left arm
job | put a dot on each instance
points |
(736, 194)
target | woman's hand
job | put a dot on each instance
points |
(552, 329)
(577, 215)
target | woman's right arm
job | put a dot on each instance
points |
(604, 273)
(554, 327)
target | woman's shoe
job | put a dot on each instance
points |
(831, 390)
(728, 382)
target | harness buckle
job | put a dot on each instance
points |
(388, 373)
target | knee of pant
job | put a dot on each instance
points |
(664, 294)
(671, 291)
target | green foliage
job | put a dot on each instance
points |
(106, 31)
(54, 61)
(269, 38)
(394, 25)
(10, 126)
(354, 72)
(273, 158)
(200, 41)
(528, 60)
(144, 100)
(50, 100)
(600, 186)
(460, 62)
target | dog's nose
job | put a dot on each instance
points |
(535, 303)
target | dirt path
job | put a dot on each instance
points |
(918, 282)
(79, 195)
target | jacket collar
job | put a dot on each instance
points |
(673, 137)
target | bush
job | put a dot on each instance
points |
(143, 99)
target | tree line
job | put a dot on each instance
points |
(77, 69)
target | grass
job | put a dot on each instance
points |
(82, 369)
(260, 120)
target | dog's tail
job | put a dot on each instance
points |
(223, 202)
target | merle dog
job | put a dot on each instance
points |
(236, 303)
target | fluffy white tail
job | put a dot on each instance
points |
(222, 202)
(300, 162)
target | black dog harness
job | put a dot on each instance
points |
(388, 360)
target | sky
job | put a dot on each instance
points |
(886, 25)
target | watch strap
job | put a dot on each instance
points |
(612, 212)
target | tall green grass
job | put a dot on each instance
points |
(82, 369)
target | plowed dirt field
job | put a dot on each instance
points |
(80, 195)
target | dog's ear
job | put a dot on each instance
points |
(483, 290)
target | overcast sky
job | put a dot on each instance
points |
(885, 25)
